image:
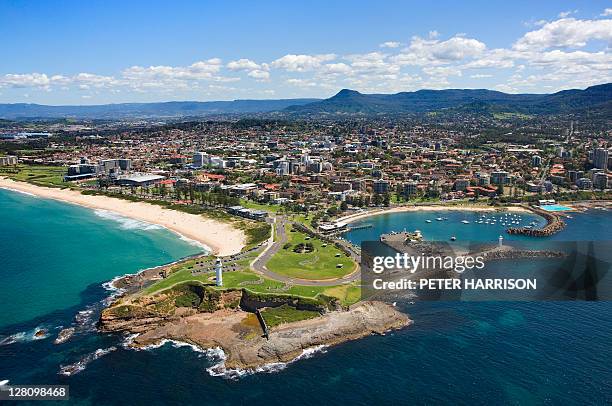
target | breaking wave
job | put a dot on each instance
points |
(198, 244)
(217, 354)
(237, 373)
(18, 191)
(81, 364)
(126, 223)
(38, 333)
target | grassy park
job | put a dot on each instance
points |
(318, 260)
(50, 176)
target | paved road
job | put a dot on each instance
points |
(259, 264)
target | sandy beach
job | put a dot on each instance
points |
(220, 238)
(369, 213)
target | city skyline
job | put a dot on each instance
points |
(216, 51)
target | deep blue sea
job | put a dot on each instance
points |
(55, 258)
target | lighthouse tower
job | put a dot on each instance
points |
(501, 241)
(219, 272)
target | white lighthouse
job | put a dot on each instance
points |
(219, 272)
(501, 241)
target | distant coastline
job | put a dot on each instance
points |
(218, 237)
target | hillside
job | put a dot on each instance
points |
(477, 101)
(144, 110)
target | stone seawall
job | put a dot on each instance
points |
(554, 225)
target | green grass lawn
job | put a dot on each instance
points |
(348, 294)
(319, 264)
(52, 176)
(286, 314)
(270, 208)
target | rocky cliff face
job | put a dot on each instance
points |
(288, 341)
(240, 335)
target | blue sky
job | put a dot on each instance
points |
(75, 52)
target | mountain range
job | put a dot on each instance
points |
(461, 100)
(146, 110)
(594, 100)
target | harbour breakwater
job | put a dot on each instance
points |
(554, 224)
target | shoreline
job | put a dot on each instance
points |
(217, 237)
(244, 344)
(351, 218)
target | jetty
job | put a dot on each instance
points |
(554, 224)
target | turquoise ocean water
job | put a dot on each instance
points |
(51, 252)
(55, 258)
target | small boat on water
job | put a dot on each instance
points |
(453, 238)
(465, 222)
(439, 219)
(428, 221)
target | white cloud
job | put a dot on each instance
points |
(301, 82)
(566, 32)
(390, 44)
(259, 74)
(301, 63)
(422, 51)
(243, 64)
(607, 12)
(544, 59)
(567, 13)
(443, 71)
(25, 80)
(196, 71)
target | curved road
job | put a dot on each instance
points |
(259, 263)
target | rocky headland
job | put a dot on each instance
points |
(228, 319)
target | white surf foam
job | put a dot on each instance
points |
(126, 223)
(18, 191)
(213, 353)
(217, 354)
(25, 336)
(195, 243)
(236, 373)
(80, 365)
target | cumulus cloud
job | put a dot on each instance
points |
(567, 13)
(259, 74)
(301, 63)
(566, 32)
(390, 44)
(607, 12)
(197, 71)
(25, 80)
(442, 71)
(243, 64)
(432, 51)
(567, 52)
(301, 82)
